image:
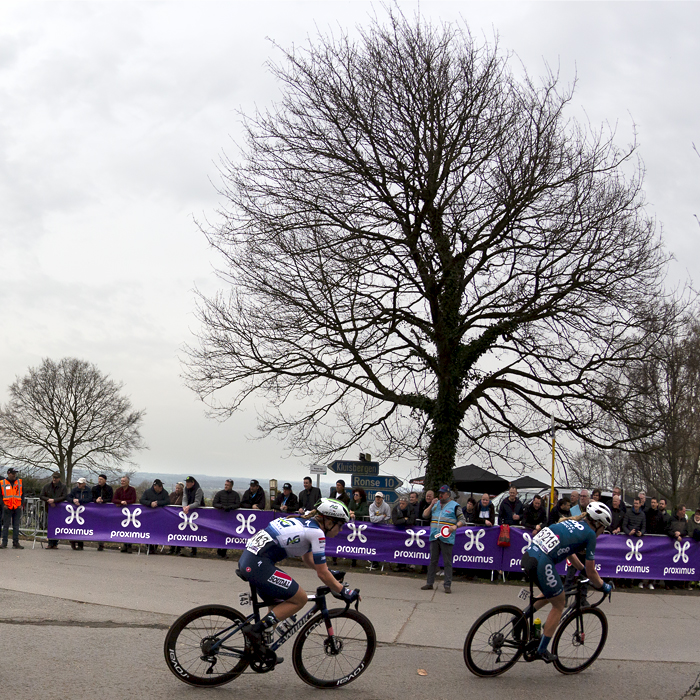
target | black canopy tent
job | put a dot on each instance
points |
(529, 482)
(473, 479)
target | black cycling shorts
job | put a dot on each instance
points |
(273, 584)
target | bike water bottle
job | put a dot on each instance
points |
(537, 628)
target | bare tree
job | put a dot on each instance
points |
(67, 415)
(424, 255)
(592, 467)
(663, 423)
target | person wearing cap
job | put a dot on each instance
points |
(445, 516)
(102, 493)
(340, 493)
(176, 500)
(53, 493)
(80, 495)
(379, 511)
(125, 495)
(254, 497)
(155, 497)
(192, 498)
(286, 501)
(226, 500)
(13, 502)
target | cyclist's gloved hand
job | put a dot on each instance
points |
(607, 587)
(348, 595)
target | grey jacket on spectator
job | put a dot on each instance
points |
(378, 515)
(226, 500)
(150, 495)
(404, 518)
(197, 501)
(634, 521)
(59, 493)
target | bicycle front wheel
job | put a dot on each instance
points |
(579, 640)
(330, 658)
(190, 646)
(495, 641)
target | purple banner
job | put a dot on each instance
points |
(617, 556)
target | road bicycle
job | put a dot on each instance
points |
(205, 646)
(498, 639)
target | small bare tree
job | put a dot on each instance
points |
(67, 415)
(424, 254)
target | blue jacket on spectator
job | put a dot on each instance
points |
(83, 495)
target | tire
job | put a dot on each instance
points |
(316, 665)
(490, 647)
(579, 640)
(183, 646)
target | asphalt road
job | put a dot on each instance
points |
(91, 624)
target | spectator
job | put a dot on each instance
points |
(359, 508)
(470, 512)
(80, 496)
(125, 495)
(534, 517)
(694, 525)
(618, 514)
(596, 494)
(379, 512)
(656, 525)
(554, 494)
(583, 500)
(644, 503)
(444, 512)
(511, 510)
(226, 500)
(402, 514)
(575, 507)
(102, 493)
(254, 497)
(486, 514)
(53, 493)
(561, 510)
(192, 498)
(340, 493)
(13, 502)
(176, 500)
(286, 502)
(309, 496)
(155, 497)
(634, 522)
(425, 502)
(679, 525)
(664, 514)
(617, 491)
(414, 505)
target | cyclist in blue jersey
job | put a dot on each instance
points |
(290, 537)
(553, 544)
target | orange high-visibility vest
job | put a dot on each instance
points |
(11, 493)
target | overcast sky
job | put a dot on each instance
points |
(112, 117)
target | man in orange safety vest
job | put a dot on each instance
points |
(12, 501)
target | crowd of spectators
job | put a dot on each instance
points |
(644, 516)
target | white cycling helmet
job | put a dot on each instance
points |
(600, 512)
(332, 508)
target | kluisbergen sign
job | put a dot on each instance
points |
(654, 557)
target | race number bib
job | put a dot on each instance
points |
(258, 541)
(546, 540)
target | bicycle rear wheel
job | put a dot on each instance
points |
(492, 646)
(579, 640)
(188, 645)
(325, 662)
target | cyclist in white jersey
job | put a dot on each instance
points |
(291, 537)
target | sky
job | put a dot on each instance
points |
(113, 116)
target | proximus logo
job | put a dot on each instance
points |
(246, 523)
(357, 529)
(415, 536)
(188, 521)
(634, 549)
(131, 516)
(74, 514)
(681, 548)
(474, 540)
